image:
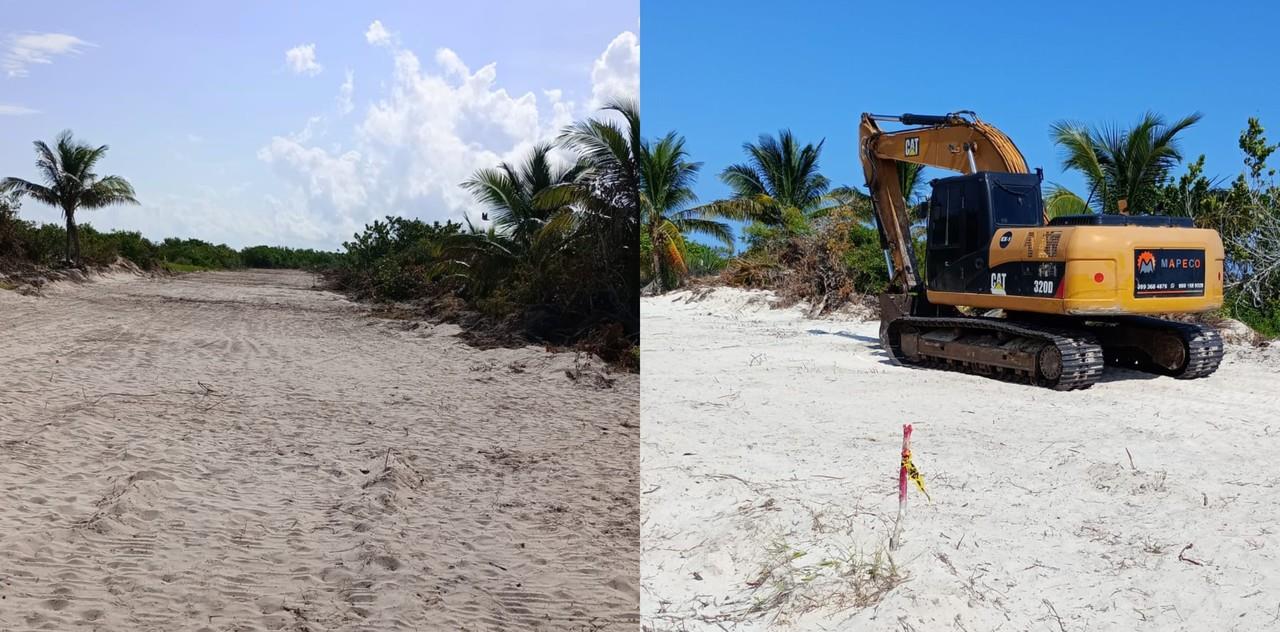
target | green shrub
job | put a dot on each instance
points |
(702, 259)
(397, 259)
(1264, 319)
(865, 260)
(278, 257)
(199, 253)
(45, 245)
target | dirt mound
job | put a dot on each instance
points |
(31, 280)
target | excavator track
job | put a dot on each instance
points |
(1182, 350)
(1053, 357)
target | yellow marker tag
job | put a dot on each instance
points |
(914, 474)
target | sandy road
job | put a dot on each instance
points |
(238, 451)
(769, 456)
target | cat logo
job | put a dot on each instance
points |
(913, 146)
(997, 283)
(1146, 262)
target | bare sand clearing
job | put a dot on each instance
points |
(769, 459)
(237, 451)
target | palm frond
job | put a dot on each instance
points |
(689, 223)
(108, 191)
(1060, 201)
(37, 192)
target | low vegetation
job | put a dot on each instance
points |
(29, 244)
(795, 581)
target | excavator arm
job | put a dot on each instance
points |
(957, 142)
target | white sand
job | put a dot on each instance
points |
(769, 438)
(237, 451)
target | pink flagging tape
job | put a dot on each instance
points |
(904, 468)
(895, 540)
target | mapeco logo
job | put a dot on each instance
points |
(1146, 262)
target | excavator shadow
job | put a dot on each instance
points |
(873, 341)
(1120, 374)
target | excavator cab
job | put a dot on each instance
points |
(964, 212)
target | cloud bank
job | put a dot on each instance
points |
(616, 73)
(433, 125)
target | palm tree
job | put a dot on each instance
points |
(71, 184)
(570, 234)
(510, 191)
(1125, 168)
(607, 203)
(778, 186)
(666, 193)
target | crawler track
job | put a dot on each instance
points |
(1123, 342)
(1053, 357)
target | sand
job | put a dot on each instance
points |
(769, 454)
(239, 451)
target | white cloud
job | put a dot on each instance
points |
(345, 91)
(37, 48)
(616, 73)
(15, 110)
(378, 35)
(337, 180)
(302, 60)
(433, 126)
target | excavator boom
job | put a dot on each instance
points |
(957, 142)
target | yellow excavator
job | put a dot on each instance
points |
(1006, 292)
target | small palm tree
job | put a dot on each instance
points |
(1125, 168)
(510, 191)
(71, 184)
(779, 185)
(666, 194)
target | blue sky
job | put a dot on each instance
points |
(229, 136)
(722, 72)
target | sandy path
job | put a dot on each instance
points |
(236, 451)
(770, 443)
